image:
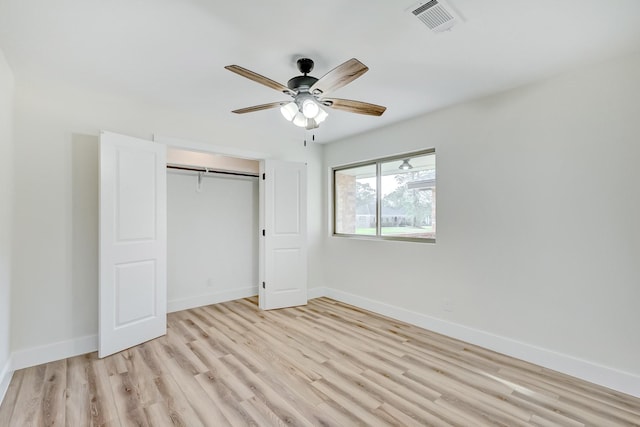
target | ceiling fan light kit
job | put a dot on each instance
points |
(309, 92)
(304, 118)
(304, 112)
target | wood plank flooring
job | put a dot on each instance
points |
(324, 364)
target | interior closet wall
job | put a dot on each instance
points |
(212, 239)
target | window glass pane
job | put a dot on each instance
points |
(408, 188)
(355, 200)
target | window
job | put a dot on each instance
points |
(391, 198)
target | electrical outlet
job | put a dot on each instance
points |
(209, 283)
(447, 305)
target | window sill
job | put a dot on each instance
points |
(384, 238)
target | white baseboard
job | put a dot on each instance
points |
(215, 298)
(624, 382)
(6, 373)
(52, 352)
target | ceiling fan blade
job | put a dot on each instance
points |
(339, 76)
(259, 79)
(354, 106)
(260, 107)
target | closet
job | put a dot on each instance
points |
(181, 228)
(212, 228)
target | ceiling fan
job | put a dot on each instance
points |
(309, 93)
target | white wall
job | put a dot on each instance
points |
(54, 299)
(6, 208)
(538, 223)
(212, 239)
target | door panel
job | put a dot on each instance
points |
(136, 195)
(286, 195)
(283, 249)
(133, 291)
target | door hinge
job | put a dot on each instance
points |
(263, 232)
(264, 176)
(262, 285)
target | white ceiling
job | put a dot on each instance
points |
(172, 52)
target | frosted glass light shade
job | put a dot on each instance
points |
(289, 110)
(321, 116)
(300, 120)
(310, 108)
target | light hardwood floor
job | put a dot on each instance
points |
(326, 364)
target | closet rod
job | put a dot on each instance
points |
(206, 170)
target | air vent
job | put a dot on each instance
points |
(435, 15)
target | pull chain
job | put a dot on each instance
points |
(313, 138)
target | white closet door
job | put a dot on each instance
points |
(283, 249)
(133, 283)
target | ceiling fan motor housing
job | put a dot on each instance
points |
(301, 83)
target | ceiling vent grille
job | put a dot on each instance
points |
(435, 15)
